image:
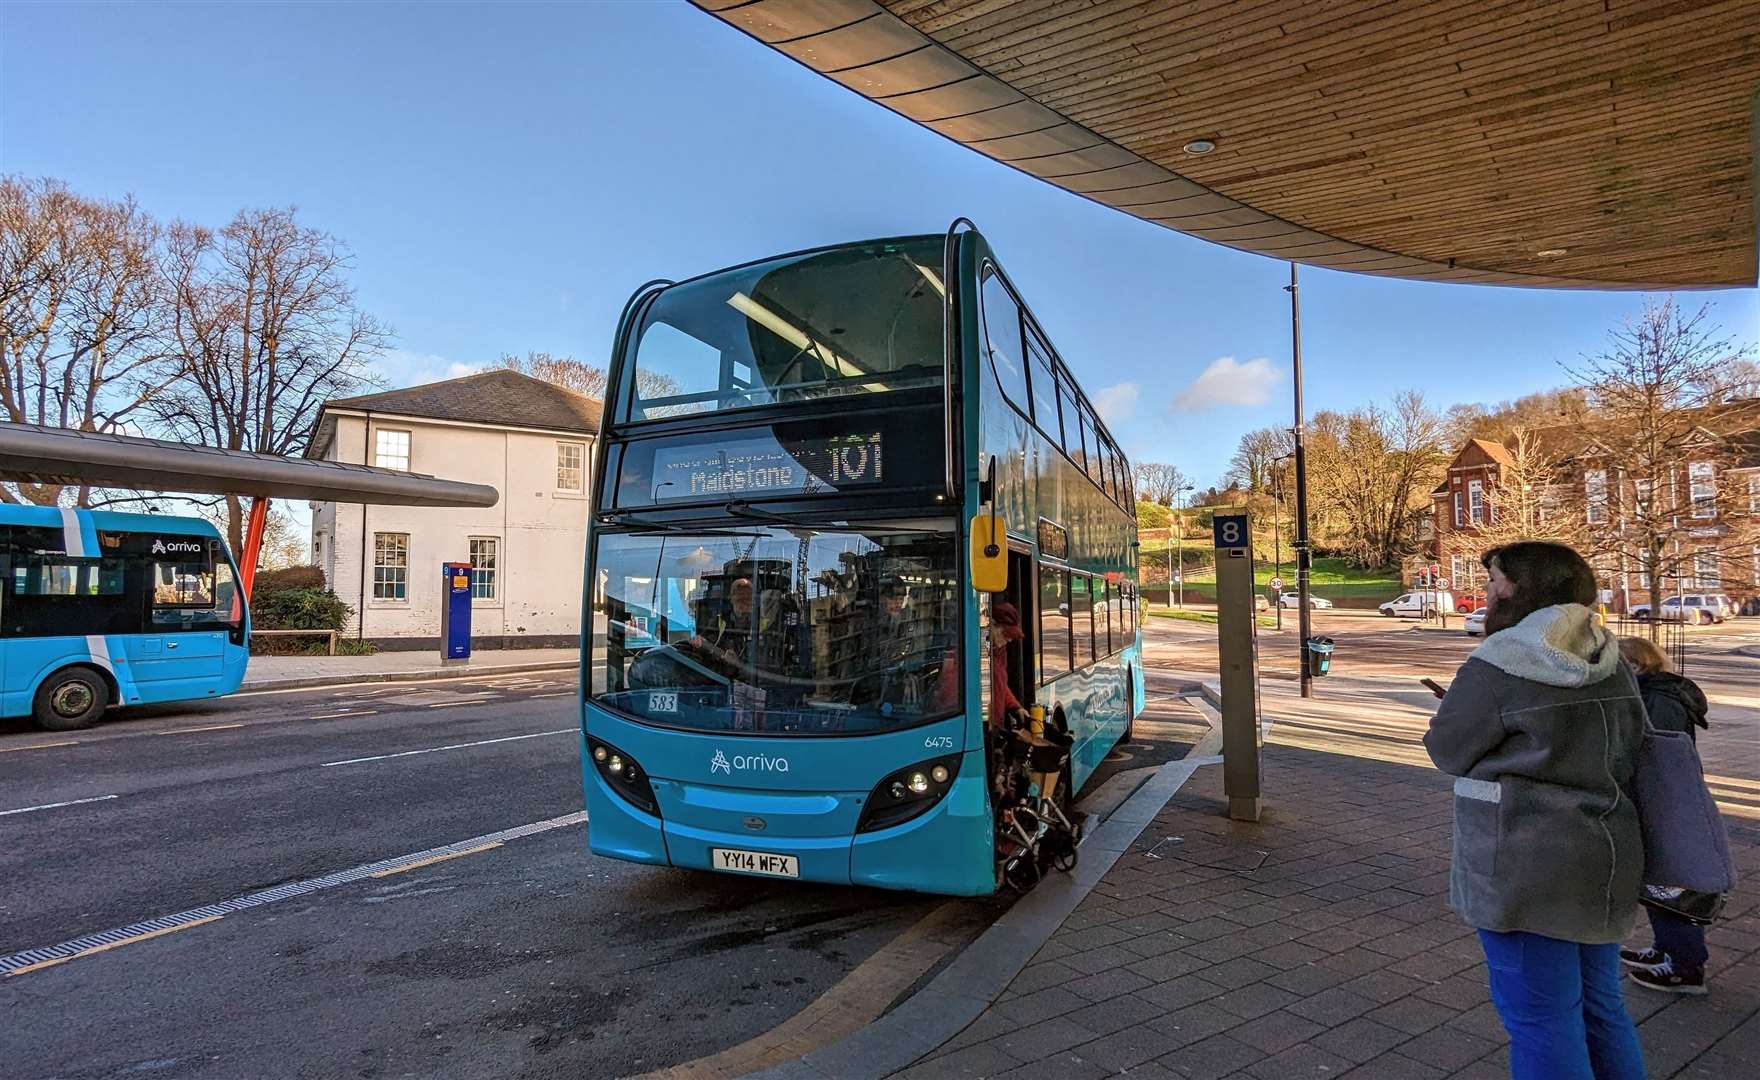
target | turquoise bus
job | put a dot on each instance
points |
(102, 608)
(861, 596)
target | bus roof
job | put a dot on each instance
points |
(54, 517)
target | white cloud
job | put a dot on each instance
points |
(458, 370)
(1117, 403)
(1229, 382)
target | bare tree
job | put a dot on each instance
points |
(563, 371)
(81, 314)
(1373, 468)
(265, 323)
(1251, 467)
(1160, 483)
(1656, 490)
(582, 377)
(1530, 497)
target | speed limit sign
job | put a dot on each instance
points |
(1442, 583)
(1277, 583)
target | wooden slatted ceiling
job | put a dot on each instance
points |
(1440, 139)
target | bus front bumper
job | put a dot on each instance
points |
(947, 850)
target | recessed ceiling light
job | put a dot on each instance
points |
(1200, 147)
(1551, 253)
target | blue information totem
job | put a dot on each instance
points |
(455, 614)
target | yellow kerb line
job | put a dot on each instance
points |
(435, 859)
(193, 730)
(37, 746)
(41, 964)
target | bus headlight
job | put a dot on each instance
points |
(623, 776)
(907, 793)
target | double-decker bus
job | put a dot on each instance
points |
(861, 601)
(101, 608)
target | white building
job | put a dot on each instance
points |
(533, 441)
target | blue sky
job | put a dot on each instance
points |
(506, 174)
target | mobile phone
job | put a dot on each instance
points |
(1435, 688)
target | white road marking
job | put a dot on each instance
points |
(345, 712)
(437, 749)
(32, 959)
(564, 693)
(54, 805)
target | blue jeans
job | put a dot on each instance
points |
(1563, 1007)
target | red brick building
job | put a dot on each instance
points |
(1562, 481)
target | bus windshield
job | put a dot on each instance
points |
(778, 630)
(861, 319)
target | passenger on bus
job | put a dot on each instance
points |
(1004, 630)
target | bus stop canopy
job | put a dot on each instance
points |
(1581, 143)
(59, 456)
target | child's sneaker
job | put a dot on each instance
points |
(1642, 958)
(1665, 978)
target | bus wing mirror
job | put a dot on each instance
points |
(989, 555)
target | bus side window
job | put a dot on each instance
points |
(1044, 387)
(1002, 340)
(1082, 613)
(1053, 622)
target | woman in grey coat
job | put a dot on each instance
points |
(1541, 726)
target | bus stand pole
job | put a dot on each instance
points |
(255, 526)
(1236, 646)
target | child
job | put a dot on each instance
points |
(1675, 963)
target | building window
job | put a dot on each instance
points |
(1458, 520)
(1595, 487)
(484, 552)
(391, 566)
(1704, 486)
(571, 467)
(1642, 489)
(391, 450)
(1707, 570)
(1754, 493)
(1476, 500)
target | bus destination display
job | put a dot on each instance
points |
(765, 465)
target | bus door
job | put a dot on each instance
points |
(1021, 660)
(182, 641)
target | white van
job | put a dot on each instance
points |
(1413, 605)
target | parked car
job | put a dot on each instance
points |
(1468, 602)
(1697, 608)
(1474, 624)
(1294, 600)
(1260, 603)
(1727, 607)
(1413, 605)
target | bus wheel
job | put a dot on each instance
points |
(71, 698)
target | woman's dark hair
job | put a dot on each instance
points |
(1544, 574)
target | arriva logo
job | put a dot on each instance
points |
(761, 762)
(190, 547)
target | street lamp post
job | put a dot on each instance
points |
(1304, 559)
(1179, 501)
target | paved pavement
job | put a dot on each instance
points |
(1317, 942)
(286, 671)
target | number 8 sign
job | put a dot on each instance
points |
(1230, 530)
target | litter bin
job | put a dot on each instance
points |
(1319, 655)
